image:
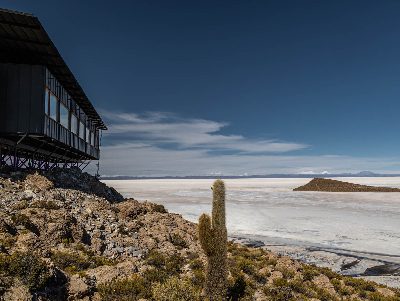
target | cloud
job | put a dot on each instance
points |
(146, 160)
(312, 172)
(161, 144)
(166, 128)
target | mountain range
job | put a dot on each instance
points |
(306, 175)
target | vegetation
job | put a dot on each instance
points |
(170, 266)
(27, 267)
(77, 262)
(46, 204)
(237, 288)
(158, 281)
(178, 241)
(159, 208)
(213, 240)
(6, 242)
(20, 219)
(23, 204)
(127, 289)
(175, 289)
(236, 272)
(250, 270)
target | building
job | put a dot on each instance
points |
(46, 119)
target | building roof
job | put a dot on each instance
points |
(24, 40)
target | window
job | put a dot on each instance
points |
(59, 106)
(46, 101)
(82, 130)
(92, 138)
(64, 115)
(53, 107)
(87, 135)
(74, 124)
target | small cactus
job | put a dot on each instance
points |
(213, 239)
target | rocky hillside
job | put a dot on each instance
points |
(329, 185)
(66, 236)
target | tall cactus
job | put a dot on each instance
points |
(213, 239)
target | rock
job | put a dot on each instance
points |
(92, 235)
(253, 243)
(259, 296)
(78, 287)
(274, 275)
(384, 269)
(105, 274)
(5, 227)
(26, 241)
(265, 271)
(323, 282)
(37, 182)
(17, 292)
(385, 292)
(286, 263)
(329, 185)
(29, 194)
(74, 178)
(96, 297)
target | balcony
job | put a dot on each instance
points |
(55, 130)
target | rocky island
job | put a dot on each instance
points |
(66, 236)
(329, 185)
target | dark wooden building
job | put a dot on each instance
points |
(46, 118)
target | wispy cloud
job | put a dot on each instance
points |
(147, 160)
(166, 128)
(159, 144)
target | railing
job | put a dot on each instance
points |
(56, 131)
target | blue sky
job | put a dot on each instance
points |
(236, 87)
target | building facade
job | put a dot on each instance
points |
(46, 119)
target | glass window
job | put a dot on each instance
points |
(63, 115)
(87, 135)
(74, 124)
(92, 138)
(53, 107)
(46, 101)
(82, 130)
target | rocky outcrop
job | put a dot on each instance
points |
(60, 243)
(66, 178)
(54, 215)
(329, 185)
(45, 217)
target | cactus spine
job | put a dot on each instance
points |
(213, 239)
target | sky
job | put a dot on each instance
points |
(235, 87)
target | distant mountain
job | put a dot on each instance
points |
(317, 175)
(331, 185)
(366, 174)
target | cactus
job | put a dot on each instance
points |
(213, 239)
